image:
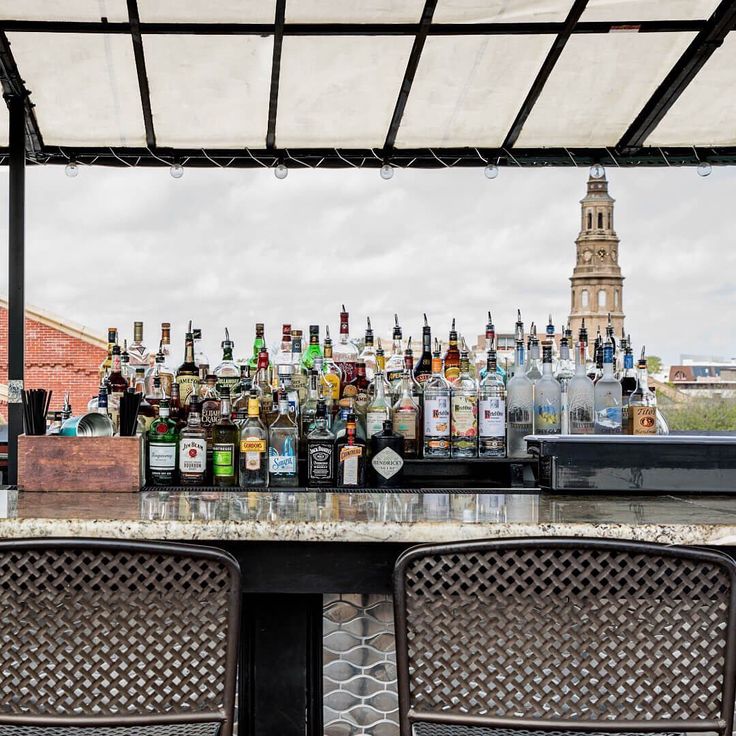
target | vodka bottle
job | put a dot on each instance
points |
(405, 416)
(491, 345)
(534, 366)
(492, 411)
(436, 410)
(519, 406)
(608, 397)
(464, 412)
(379, 409)
(565, 371)
(550, 340)
(547, 398)
(580, 395)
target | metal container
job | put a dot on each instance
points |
(87, 425)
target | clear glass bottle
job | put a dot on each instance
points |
(519, 406)
(549, 339)
(320, 450)
(416, 389)
(227, 372)
(126, 368)
(325, 388)
(253, 447)
(565, 372)
(331, 370)
(547, 398)
(436, 411)
(597, 357)
(491, 345)
(368, 353)
(642, 408)
(163, 442)
(380, 368)
(346, 353)
(283, 447)
(225, 445)
(534, 364)
(452, 356)
(491, 411)
(589, 362)
(581, 394)
(240, 402)
(395, 363)
(379, 408)
(608, 397)
(138, 352)
(464, 411)
(309, 410)
(405, 417)
(193, 449)
(313, 349)
(298, 372)
(351, 457)
(283, 354)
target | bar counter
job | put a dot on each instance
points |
(317, 626)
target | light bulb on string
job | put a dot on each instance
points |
(491, 171)
(597, 171)
(176, 171)
(704, 168)
(387, 171)
(281, 171)
(71, 169)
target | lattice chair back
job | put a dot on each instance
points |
(116, 634)
(565, 633)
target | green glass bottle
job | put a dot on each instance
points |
(313, 350)
(163, 441)
(225, 444)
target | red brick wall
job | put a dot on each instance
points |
(56, 361)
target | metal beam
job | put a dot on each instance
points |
(409, 73)
(140, 67)
(541, 79)
(16, 277)
(14, 86)
(273, 100)
(690, 63)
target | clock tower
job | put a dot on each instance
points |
(597, 283)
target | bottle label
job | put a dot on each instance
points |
(210, 413)
(349, 370)
(464, 416)
(281, 464)
(361, 401)
(643, 419)
(405, 424)
(374, 422)
(608, 420)
(350, 460)
(193, 455)
(437, 417)
(223, 460)
(228, 382)
(186, 386)
(334, 385)
(253, 448)
(547, 418)
(452, 373)
(492, 417)
(349, 391)
(162, 456)
(387, 463)
(320, 466)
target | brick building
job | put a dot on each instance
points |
(60, 356)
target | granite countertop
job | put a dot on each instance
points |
(366, 517)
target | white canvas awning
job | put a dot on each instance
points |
(360, 82)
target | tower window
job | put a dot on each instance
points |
(615, 298)
(584, 298)
(609, 220)
(600, 221)
(590, 220)
(601, 297)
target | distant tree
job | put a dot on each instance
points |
(654, 363)
(702, 414)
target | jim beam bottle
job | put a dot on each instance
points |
(642, 413)
(193, 449)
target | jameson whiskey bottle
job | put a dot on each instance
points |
(187, 375)
(321, 450)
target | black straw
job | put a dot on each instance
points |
(129, 405)
(35, 408)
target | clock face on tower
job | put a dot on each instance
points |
(601, 253)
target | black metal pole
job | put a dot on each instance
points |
(16, 278)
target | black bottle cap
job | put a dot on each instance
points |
(388, 426)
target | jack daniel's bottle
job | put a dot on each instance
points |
(321, 450)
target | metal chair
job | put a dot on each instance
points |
(564, 635)
(107, 638)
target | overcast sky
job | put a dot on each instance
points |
(232, 247)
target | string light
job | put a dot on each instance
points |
(281, 171)
(704, 168)
(71, 169)
(176, 171)
(387, 171)
(491, 171)
(597, 171)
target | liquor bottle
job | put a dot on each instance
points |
(620, 355)
(346, 354)
(339, 422)
(628, 385)
(137, 351)
(395, 363)
(534, 364)
(436, 411)
(283, 446)
(298, 372)
(163, 441)
(361, 384)
(452, 356)
(491, 411)
(423, 368)
(153, 371)
(464, 411)
(368, 353)
(642, 413)
(565, 372)
(284, 383)
(547, 398)
(193, 449)
(313, 349)
(187, 375)
(491, 345)
(380, 368)
(325, 388)
(240, 402)
(146, 410)
(549, 339)
(589, 362)
(283, 354)
(225, 446)
(519, 406)
(379, 408)
(253, 447)
(597, 357)
(265, 389)
(351, 457)
(99, 406)
(331, 370)
(126, 369)
(608, 397)
(387, 457)
(227, 372)
(581, 393)
(309, 410)
(610, 337)
(116, 386)
(405, 416)
(165, 342)
(209, 407)
(200, 357)
(320, 450)
(416, 389)
(156, 395)
(258, 344)
(106, 365)
(176, 411)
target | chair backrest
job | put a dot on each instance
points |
(112, 633)
(551, 632)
